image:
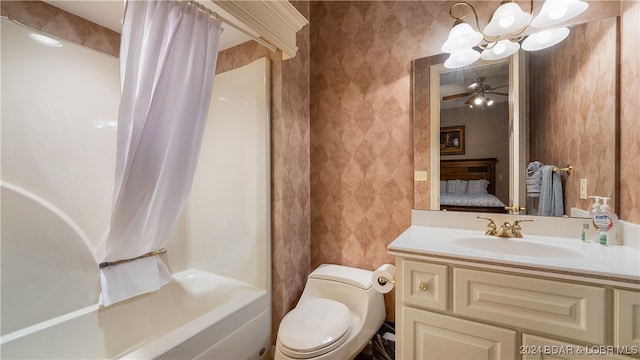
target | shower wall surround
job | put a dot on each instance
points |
(290, 198)
(51, 20)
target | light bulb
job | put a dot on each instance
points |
(543, 37)
(460, 37)
(45, 40)
(499, 48)
(507, 21)
(557, 12)
(489, 102)
(461, 58)
(507, 18)
(477, 101)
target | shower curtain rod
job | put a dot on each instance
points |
(215, 15)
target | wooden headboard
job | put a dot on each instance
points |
(470, 169)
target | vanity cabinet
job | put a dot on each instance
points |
(626, 319)
(459, 310)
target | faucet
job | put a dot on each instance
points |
(507, 229)
(491, 226)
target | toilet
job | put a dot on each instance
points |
(338, 313)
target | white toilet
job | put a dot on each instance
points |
(338, 313)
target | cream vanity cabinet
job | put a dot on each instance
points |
(461, 310)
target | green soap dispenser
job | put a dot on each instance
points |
(607, 223)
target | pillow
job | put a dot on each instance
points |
(475, 187)
(457, 186)
(443, 186)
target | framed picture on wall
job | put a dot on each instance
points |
(452, 140)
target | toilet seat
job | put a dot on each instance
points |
(313, 328)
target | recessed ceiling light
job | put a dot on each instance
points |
(45, 40)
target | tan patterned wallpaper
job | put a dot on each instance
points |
(577, 125)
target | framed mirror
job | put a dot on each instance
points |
(561, 107)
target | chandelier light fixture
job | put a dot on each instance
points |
(502, 36)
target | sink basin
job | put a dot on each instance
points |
(520, 247)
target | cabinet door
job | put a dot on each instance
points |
(626, 319)
(439, 337)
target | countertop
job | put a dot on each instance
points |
(569, 256)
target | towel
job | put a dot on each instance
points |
(533, 179)
(551, 195)
(533, 167)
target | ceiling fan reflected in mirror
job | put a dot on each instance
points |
(478, 94)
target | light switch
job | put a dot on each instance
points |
(583, 188)
(420, 175)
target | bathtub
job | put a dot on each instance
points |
(58, 160)
(199, 315)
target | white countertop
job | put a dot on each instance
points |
(616, 263)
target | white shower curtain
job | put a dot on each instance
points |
(167, 58)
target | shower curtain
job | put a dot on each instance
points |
(167, 59)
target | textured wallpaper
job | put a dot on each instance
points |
(361, 128)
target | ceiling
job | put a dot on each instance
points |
(108, 13)
(456, 82)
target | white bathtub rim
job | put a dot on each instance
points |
(158, 346)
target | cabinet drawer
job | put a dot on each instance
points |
(568, 310)
(431, 336)
(626, 318)
(424, 285)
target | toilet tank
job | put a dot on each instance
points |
(350, 286)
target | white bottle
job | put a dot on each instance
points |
(595, 208)
(607, 223)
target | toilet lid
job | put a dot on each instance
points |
(314, 325)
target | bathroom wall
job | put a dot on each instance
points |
(361, 130)
(585, 104)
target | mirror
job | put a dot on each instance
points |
(564, 101)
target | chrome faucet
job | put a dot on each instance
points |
(507, 229)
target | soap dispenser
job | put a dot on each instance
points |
(607, 221)
(595, 208)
